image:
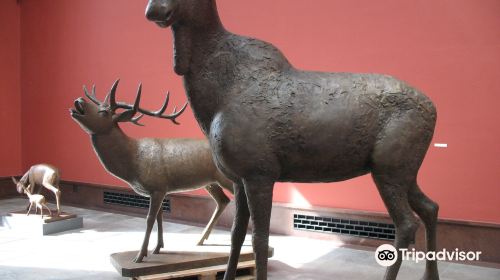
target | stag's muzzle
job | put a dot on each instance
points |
(162, 12)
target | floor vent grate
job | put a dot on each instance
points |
(132, 200)
(344, 226)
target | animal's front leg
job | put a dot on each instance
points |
(154, 207)
(259, 191)
(57, 194)
(159, 223)
(29, 209)
(239, 230)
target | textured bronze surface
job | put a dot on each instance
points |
(267, 121)
(151, 167)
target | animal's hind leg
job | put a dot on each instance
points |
(222, 201)
(427, 210)
(159, 223)
(396, 159)
(394, 195)
(50, 212)
(41, 210)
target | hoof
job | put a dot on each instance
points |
(157, 249)
(138, 258)
(430, 277)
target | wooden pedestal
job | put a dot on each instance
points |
(203, 262)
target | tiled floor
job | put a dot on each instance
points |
(84, 253)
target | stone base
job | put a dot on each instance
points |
(174, 261)
(37, 225)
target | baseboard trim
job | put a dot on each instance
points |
(197, 210)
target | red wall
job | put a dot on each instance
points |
(10, 89)
(450, 49)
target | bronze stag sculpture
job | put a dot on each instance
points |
(269, 122)
(152, 167)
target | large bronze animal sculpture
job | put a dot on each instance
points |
(44, 175)
(269, 122)
(152, 167)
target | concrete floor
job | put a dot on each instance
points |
(84, 253)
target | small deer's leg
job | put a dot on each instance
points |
(154, 206)
(259, 191)
(50, 212)
(239, 230)
(159, 223)
(41, 209)
(427, 210)
(29, 204)
(222, 201)
(29, 209)
(57, 193)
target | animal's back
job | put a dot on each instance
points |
(320, 126)
(334, 121)
(37, 198)
(45, 169)
(179, 163)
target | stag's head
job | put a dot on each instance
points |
(19, 185)
(167, 12)
(99, 117)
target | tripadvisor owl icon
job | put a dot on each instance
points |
(386, 255)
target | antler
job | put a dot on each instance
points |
(109, 100)
(111, 104)
(91, 96)
(157, 114)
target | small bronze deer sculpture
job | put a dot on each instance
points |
(36, 200)
(152, 167)
(45, 175)
(269, 122)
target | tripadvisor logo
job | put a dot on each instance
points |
(387, 255)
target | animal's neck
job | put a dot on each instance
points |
(27, 193)
(194, 44)
(115, 151)
(195, 38)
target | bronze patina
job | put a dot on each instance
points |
(269, 122)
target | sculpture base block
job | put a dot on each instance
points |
(36, 225)
(177, 262)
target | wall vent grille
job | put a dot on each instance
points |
(132, 200)
(344, 226)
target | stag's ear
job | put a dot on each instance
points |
(124, 116)
(14, 180)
